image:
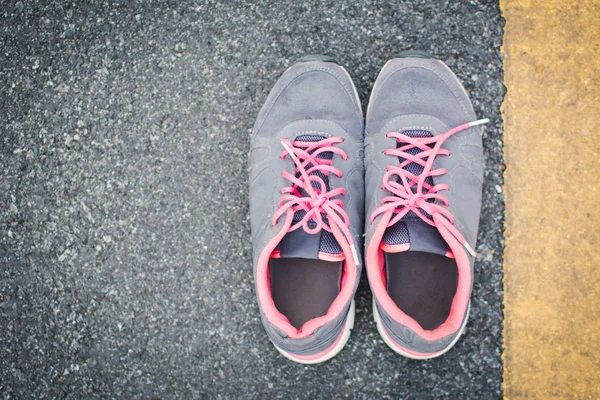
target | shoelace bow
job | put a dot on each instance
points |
(319, 200)
(404, 198)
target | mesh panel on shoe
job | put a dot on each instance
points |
(328, 244)
(328, 155)
(398, 233)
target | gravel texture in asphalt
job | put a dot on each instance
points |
(125, 259)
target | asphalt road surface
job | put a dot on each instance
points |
(125, 259)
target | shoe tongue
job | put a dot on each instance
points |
(411, 229)
(420, 235)
(298, 243)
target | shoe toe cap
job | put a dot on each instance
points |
(314, 90)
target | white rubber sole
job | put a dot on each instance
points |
(393, 346)
(333, 352)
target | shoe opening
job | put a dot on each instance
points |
(422, 285)
(304, 289)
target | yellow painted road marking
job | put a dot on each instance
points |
(552, 150)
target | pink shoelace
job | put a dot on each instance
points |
(404, 199)
(319, 200)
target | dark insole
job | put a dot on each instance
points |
(303, 288)
(422, 285)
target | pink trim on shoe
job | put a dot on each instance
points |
(411, 353)
(394, 248)
(322, 256)
(276, 254)
(411, 192)
(318, 202)
(331, 257)
(263, 285)
(402, 349)
(322, 353)
(333, 350)
(376, 273)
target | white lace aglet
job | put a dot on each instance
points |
(470, 249)
(355, 254)
(479, 122)
(287, 148)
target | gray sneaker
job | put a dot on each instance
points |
(424, 172)
(306, 209)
